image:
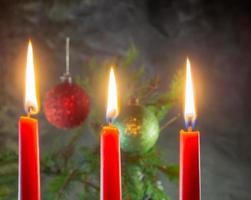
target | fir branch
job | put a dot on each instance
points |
(66, 182)
(171, 171)
(169, 122)
(90, 185)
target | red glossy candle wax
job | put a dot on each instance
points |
(29, 172)
(110, 164)
(189, 165)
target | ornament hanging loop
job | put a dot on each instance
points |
(67, 76)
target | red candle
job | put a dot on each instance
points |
(29, 172)
(110, 181)
(110, 164)
(189, 185)
(29, 176)
(189, 165)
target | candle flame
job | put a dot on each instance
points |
(31, 102)
(190, 114)
(112, 103)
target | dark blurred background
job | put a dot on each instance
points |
(216, 35)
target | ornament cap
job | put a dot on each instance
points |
(66, 77)
(133, 101)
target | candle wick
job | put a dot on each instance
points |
(109, 121)
(189, 123)
(29, 111)
(190, 128)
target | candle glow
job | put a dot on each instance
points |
(31, 100)
(189, 113)
(112, 103)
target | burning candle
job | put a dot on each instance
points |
(189, 185)
(29, 172)
(110, 181)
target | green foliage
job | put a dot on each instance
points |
(8, 174)
(141, 176)
(71, 170)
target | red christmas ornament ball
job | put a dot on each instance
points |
(66, 105)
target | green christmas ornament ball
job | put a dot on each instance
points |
(139, 129)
